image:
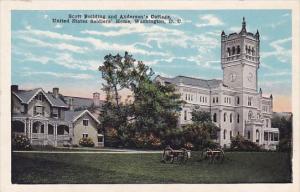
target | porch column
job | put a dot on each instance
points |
(45, 131)
(55, 135)
(25, 127)
(71, 133)
(30, 131)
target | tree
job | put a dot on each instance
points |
(155, 107)
(284, 124)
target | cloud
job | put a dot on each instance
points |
(209, 20)
(81, 76)
(282, 53)
(58, 26)
(98, 44)
(59, 46)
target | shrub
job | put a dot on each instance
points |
(86, 142)
(238, 143)
(147, 141)
(21, 142)
(75, 145)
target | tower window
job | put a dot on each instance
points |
(225, 117)
(238, 51)
(230, 118)
(185, 116)
(228, 52)
(217, 100)
(213, 100)
(249, 101)
(238, 118)
(233, 50)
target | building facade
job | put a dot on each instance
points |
(236, 105)
(53, 119)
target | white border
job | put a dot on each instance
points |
(5, 80)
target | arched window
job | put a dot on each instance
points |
(238, 118)
(253, 51)
(224, 133)
(238, 100)
(225, 117)
(238, 50)
(215, 117)
(228, 51)
(233, 50)
(230, 118)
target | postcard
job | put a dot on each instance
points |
(148, 95)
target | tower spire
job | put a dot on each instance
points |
(243, 26)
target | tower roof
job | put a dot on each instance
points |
(244, 30)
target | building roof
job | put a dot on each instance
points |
(80, 102)
(26, 96)
(213, 83)
(73, 116)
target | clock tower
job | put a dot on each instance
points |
(240, 59)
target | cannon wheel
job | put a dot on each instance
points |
(184, 156)
(204, 155)
(220, 157)
(167, 156)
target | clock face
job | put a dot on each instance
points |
(250, 76)
(232, 77)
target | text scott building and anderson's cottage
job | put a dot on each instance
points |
(235, 103)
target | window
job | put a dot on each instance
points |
(267, 122)
(275, 136)
(249, 101)
(85, 135)
(230, 118)
(248, 134)
(55, 112)
(100, 138)
(257, 136)
(233, 50)
(228, 51)
(224, 99)
(213, 100)
(34, 129)
(230, 134)
(224, 132)
(225, 117)
(215, 117)
(186, 97)
(42, 128)
(250, 115)
(205, 99)
(39, 97)
(50, 129)
(217, 100)
(38, 110)
(238, 50)
(238, 118)
(237, 100)
(185, 116)
(85, 122)
(266, 136)
(238, 133)
(191, 97)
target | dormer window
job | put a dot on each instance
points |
(39, 97)
(85, 122)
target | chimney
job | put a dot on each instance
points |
(14, 88)
(96, 99)
(55, 92)
(71, 105)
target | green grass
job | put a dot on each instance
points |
(238, 167)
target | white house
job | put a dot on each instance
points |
(235, 103)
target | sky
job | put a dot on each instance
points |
(67, 55)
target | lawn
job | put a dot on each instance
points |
(238, 167)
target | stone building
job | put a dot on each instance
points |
(235, 103)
